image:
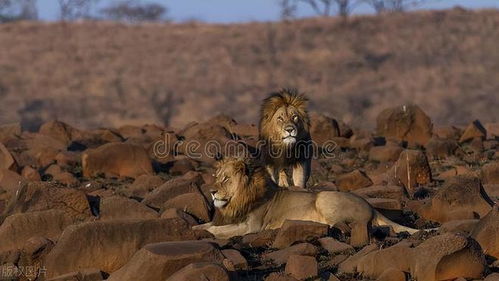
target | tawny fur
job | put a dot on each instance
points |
(281, 110)
(254, 203)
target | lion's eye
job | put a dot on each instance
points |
(225, 179)
(295, 118)
(280, 118)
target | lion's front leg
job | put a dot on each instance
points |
(283, 178)
(301, 173)
(227, 231)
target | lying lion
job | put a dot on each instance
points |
(284, 132)
(250, 202)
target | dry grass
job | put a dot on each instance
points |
(108, 74)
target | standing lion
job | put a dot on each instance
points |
(285, 138)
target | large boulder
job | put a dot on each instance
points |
(385, 153)
(6, 159)
(143, 185)
(293, 231)
(412, 170)
(18, 228)
(116, 160)
(118, 207)
(486, 232)
(353, 180)
(325, 129)
(159, 261)
(438, 148)
(108, 245)
(405, 123)
(59, 131)
(461, 197)
(301, 267)
(490, 173)
(474, 130)
(281, 256)
(200, 271)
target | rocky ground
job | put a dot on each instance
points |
(118, 204)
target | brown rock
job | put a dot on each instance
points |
(492, 277)
(392, 274)
(59, 131)
(144, 184)
(67, 159)
(301, 267)
(183, 166)
(279, 276)
(159, 261)
(334, 246)
(200, 271)
(90, 274)
(117, 207)
(192, 203)
(172, 188)
(490, 173)
(294, 231)
(281, 256)
(375, 263)
(438, 148)
(492, 190)
(411, 170)
(387, 153)
(110, 244)
(474, 130)
(446, 257)
(323, 128)
(6, 159)
(234, 260)
(458, 226)
(263, 238)
(18, 228)
(116, 159)
(447, 132)
(176, 213)
(462, 197)
(405, 123)
(485, 232)
(66, 178)
(9, 131)
(39, 196)
(30, 174)
(350, 264)
(10, 182)
(353, 180)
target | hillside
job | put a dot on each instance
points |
(96, 74)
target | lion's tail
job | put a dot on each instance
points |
(381, 220)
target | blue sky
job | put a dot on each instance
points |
(227, 11)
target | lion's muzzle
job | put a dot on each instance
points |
(218, 202)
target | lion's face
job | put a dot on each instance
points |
(284, 119)
(230, 176)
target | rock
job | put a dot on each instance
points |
(110, 244)
(438, 148)
(172, 188)
(159, 261)
(492, 190)
(381, 191)
(458, 226)
(322, 128)
(183, 166)
(6, 159)
(264, 238)
(350, 264)
(200, 271)
(375, 263)
(353, 180)
(405, 123)
(294, 231)
(68, 159)
(192, 203)
(39, 196)
(446, 257)
(276, 276)
(334, 246)
(30, 174)
(144, 184)
(461, 197)
(412, 170)
(34, 248)
(234, 261)
(492, 130)
(490, 173)
(90, 274)
(492, 277)
(66, 178)
(59, 131)
(176, 213)
(116, 159)
(10, 182)
(485, 232)
(301, 267)
(447, 132)
(117, 207)
(9, 131)
(281, 256)
(392, 274)
(387, 153)
(18, 228)
(474, 130)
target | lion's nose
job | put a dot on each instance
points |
(289, 129)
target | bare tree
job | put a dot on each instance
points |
(382, 6)
(75, 9)
(133, 12)
(320, 7)
(11, 10)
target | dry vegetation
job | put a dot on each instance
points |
(107, 74)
